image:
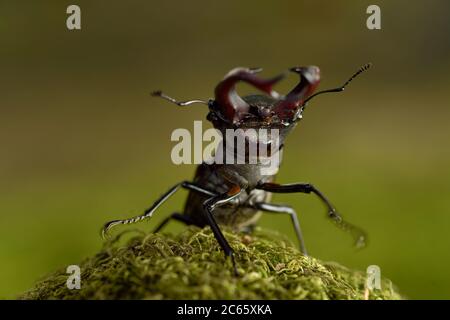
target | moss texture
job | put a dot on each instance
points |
(191, 265)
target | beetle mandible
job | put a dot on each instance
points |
(236, 194)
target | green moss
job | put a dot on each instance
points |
(191, 265)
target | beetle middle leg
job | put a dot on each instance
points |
(278, 208)
(357, 233)
(209, 206)
(174, 216)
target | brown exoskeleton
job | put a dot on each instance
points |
(236, 194)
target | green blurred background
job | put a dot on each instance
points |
(82, 141)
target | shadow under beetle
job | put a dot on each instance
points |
(237, 194)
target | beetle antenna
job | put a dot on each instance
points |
(161, 94)
(342, 88)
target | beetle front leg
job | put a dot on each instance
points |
(359, 235)
(209, 206)
(303, 188)
(149, 212)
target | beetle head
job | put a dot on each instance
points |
(271, 111)
(231, 107)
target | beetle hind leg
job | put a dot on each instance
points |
(278, 208)
(174, 216)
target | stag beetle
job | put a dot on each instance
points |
(236, 194)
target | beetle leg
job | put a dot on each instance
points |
(179, 103)
(149, 212)
(209, 205)
(279, 208)
(359, 235)
(174, 216)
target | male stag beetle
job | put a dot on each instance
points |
(236, 194)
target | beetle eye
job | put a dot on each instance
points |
(264, 112)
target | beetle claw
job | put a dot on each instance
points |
(309, 80)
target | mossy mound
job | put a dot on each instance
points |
(191, 265)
